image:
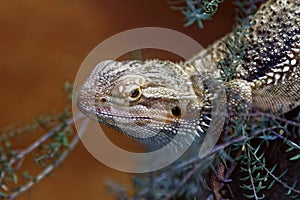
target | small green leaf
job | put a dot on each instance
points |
(289, 192)
(26, 175)
(54, 145)
(190, 22)
(271, 185)
(292, 144)
(289, 149)
(268, 137)
(249, 196)
(3, 194)
(245, 178)
(65, 142)
(248, 187)
(273, 168)
(296, 157)
(15, 178)
(283, 173)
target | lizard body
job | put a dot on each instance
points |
(271, 61)
(154, 99)
(144, 97)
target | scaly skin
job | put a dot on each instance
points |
(144, 98)
(141, 99)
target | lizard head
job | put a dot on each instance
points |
(150, 101)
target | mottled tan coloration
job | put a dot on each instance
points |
(142, 99)
(150, 101)
(272, 58)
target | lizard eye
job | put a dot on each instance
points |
(135, 93)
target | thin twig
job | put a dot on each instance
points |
(252, 183)
(50, 168)
(278, 118)
(277, 179)
(184, 180)
(214, 150)
(21, 154)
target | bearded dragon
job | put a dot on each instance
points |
(149, 100)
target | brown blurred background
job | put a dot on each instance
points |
(42, 44)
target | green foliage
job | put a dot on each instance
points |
(258, 178)
(254, 172)
(185, 180)
(293, 147)
(236, 43)
(245, 8)
(228, 65)
(196, 11)
(46, 151)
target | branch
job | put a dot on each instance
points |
(22, 154)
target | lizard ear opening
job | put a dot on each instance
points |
(103, 100)
(176, 111)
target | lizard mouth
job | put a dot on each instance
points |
(101, 113)
(139, 119)
(106, 112)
